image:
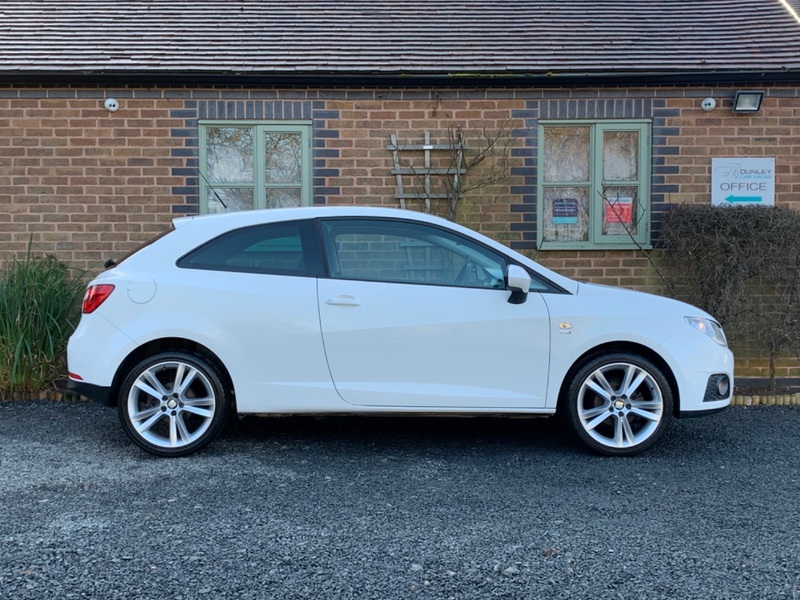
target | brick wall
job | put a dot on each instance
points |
(697, 135)
(85, 184)
(79, 182)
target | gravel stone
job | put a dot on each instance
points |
(384, 508)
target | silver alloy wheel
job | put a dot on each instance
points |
(171, 404)
(620, 405)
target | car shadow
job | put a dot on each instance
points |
(403, 432)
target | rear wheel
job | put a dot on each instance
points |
(173, 404)
(619, 404)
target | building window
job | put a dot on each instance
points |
(254, 164)
(594, 184)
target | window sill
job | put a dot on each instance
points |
(554, 246)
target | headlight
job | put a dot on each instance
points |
(711, 328)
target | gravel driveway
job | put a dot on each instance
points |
(398, 508)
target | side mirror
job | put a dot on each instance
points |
(519, 282)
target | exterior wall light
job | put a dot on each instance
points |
(748, 102)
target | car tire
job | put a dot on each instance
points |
(619, 404)
(173, 404)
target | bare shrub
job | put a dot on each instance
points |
(473, 160)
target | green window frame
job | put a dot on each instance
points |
(593, 185)
(247, 165)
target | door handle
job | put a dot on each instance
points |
(343, 301)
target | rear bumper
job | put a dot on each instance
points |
(98, 393)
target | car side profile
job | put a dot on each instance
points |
(326, 310)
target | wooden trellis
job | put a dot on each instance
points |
(456, 169)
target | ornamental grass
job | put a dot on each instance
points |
(39, 309)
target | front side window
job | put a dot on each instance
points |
(594, 181)
(254, 164)
(402, 252)
(275, 249)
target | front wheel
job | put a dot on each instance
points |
(173, 404)
(619, 404)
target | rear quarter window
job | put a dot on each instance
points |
(275, 248)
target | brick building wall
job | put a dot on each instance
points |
(84, 184)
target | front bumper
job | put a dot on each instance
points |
(684, 414)
(697, 362)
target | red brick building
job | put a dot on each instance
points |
(256, 103)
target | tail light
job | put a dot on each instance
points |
(95, 296)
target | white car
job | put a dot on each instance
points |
(324, 310)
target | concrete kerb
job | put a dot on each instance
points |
(767, 400)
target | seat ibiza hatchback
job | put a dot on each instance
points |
(326, 310)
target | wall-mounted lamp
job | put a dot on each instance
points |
(748, 102)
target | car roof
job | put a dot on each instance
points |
(270, 215)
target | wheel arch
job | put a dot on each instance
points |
(610, 348)
(166, 345)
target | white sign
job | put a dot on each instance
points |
(742, 181)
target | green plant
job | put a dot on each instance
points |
(39, 308)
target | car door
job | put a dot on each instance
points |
(413, 315)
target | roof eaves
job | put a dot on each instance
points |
(323, 78)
